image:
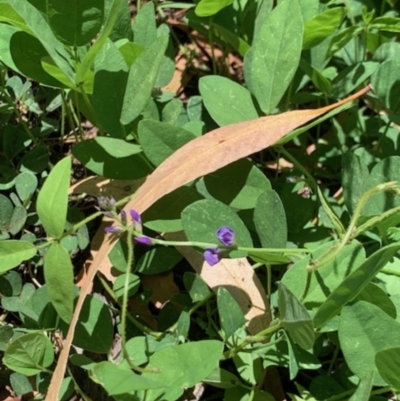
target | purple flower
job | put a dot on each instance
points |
(123, 217)
(106, 203)
(135, 216)
(143, 239)
(212, 256)
(226, 236)
(112, 229)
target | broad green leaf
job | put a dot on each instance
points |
(144, 27)
(25, 185)
(20, 384)
(59, 277)
(201, 220)
(327, 278)
(158, 260)
(122, 28)
(167, 67)
(75, 23)
(118, 148)
(387, 363)
(119, 285)
(386, 83)
(222, 378)
(230, 314)
(295, 318)
(270, 220)
(111, 75)
(10, 284)
(376, 295)
(239, 184)
(165, 214)
(387, 24)
(342, 38)
(364, 330)
(39, 26)
(142, 76)
(84, 66)
(160, 140)
(137, 349)
(94, 331)
(10, 16)
(95, 157)
(355, 181)
(18, 220)
(6, 212)
(182, 366)
(131, 51)
(196, 287)
(271, 63)
(6, 33)
(249, 366)
(14, 252)
(121, 381)
(206, 8)
(27, 53)
(29, 354)
(364, 388)
(322, 26)
(52, 201)
(226, 101)
(354, 283)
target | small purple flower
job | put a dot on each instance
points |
(112, 229)
(106, 203)
(135, 216)
(143, 239)
(212, 256)
(226, 236)
(123, 217)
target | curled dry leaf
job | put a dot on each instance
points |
(197, 158)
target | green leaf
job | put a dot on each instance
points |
(29, 354)
(238, 44)
(160, 140)
(6, 212)
(364, 330)
(327, 278)
(387, 24)
(121, 381)
(271, 63)
(59, 277)
(322, 26)
(226, 101)
(364, 388)
(202, 219)
(111, 75)
(14, 252)
(39, 26)
(182, 366)
(84, 66)
(230, 314)
(239, 184)
(196, 287)
(158, 260)
(206, 8)
(18, 220)
(270, 220)
(342, 38)
(20, 384)
(27, 53)
(222, 378)
(387, 363)
(10, 284)
(376, 295)
(295, 318)
(386, 83)
(317, 78)
(122, 28)
(355, 179)
(141, 79)
(75, 23)
(119, 285)
(52, 201)
(144, 27)
(95, 157)
(354, 283)
(25, 185)
(94, 331)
